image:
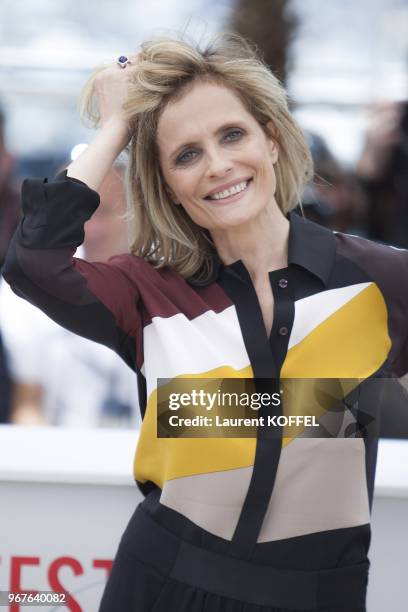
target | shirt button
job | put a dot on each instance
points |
(283, 331)
(283, 283)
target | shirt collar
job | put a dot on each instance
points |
(311, 246)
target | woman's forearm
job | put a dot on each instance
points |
(94, 300)
(93, 164)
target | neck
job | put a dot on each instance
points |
(261, 244)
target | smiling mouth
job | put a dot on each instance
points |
(227, 194)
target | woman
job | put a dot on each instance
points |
(221, 282)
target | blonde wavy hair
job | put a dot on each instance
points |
(160, 232)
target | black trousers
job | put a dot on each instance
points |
(155, 571)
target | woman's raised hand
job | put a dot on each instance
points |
(110, 90)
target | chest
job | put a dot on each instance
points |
(334, 332)
(266, 302)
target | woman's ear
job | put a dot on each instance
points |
(273, 140)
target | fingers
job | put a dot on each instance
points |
(125, 72)
(133, 59)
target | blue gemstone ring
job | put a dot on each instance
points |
(123, 61)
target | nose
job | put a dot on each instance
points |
(218, 162)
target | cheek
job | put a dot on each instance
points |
(184, 186)
(266, 168)
(260, 157)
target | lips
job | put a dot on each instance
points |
(226, 186)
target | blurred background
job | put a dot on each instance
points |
(345, 65)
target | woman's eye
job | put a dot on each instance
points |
(190, 155)
(234, 135)
(186, 157)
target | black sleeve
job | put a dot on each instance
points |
(96, 300)
(404, 355)
(387, 266)
(400, 277)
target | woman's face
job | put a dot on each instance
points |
(215, 158)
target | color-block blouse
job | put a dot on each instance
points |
(341, 310)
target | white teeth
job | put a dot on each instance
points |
(229, 192)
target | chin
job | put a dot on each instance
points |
(234, 221)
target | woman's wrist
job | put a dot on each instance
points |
(119, 131)
(93, 164)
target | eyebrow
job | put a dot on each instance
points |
(187, 145)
